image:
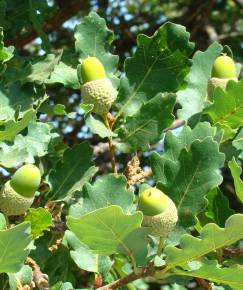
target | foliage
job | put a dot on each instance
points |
(84, 229)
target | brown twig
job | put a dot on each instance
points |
(144, 272)
(40, 279)
(203, 284)
(71, 8)
(233, 252)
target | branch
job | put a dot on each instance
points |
(70, 9)
(40, 279)
(144, 272)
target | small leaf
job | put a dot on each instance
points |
(71, 172)
(14, 244)
(110, 225)
(23, 277)
(98, 127)
(227, 110)
(236, 171)
(238, 142)
(11, 128)
(64, 74)
(107, 190)
(40, 219)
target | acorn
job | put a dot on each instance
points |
(97, 89)
(160, 212)
(17, 194)
(224, 70)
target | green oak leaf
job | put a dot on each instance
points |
(37, 72)
(111, 226)
(96, 126)
(212, 237)
(218, 207)
(17, 98)
(93, 38)
(71, 172)
(188, 179)
(137, 243)
(173, 145)
(236, 171)
(40, 219)
(238, 142)
(23, 277)
(56, 110)
(3, 222)
(159, 64)
(193, 97)
(227, 110)
(25, 148)
(14, 244)
(107, 190)
(64, 74)
(212, 271)
(147, 125)
(84, 258)
(6, 53)
(9, 129)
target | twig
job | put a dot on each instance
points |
(203, 284)
(233, 252)
(144, 272)
(40, 279)
(176, 124)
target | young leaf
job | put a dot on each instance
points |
(212, 238)
(40, 219)
(98, 127)
(192, 99)
(6, 53)
(188, 179)
(71, 172)
(14, 247)
(111, 226)
(159, 64)
(11, 128)
(236, 171)
(93, 38)
(147, 125)
(64, 74)
(107, 190)
(238, 142)
(84, 258)
(23, 277)
(227, 110)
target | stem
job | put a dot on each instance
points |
(144, 272)
(160, 246)
(111, 148)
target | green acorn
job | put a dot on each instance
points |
(224, 70)
(97, 88)
(17, 194)
(160, 212)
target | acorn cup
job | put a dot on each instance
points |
(160, 212)
(97, 89)
(224, 70)
(17, 194)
